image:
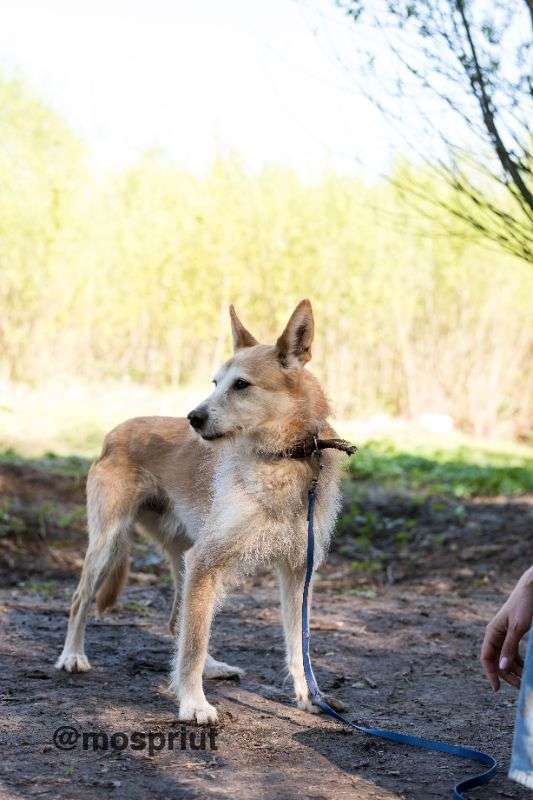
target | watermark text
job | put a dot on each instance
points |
(67, 737)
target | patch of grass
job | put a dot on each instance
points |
(403, 537)
(73, 518)
(45, 588)
(460, 471)
(70, 466)
(10, 522)
(370, 566)
(22, 518)
(140, 609)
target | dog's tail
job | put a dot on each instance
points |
(114, 582)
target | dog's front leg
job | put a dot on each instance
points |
(291, 589)
(202, 584)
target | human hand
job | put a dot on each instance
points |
(500, 654)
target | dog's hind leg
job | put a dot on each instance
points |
(212, 667)
(291, 590)
(105, 568)
(176, 559)
(174, 543)
(171, 537)
(219, 669)
(106, 557)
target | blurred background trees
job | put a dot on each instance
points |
(130, 274)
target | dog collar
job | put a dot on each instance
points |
(308, 447)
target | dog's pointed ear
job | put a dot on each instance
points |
(293, 347)
(241, 337)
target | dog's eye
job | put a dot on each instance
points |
(214, 381)
(240, 383)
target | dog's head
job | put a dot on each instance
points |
(263, 391)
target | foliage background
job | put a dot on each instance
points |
(129, 274)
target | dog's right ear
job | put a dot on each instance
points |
(241, 337)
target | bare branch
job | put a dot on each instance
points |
(455, 52)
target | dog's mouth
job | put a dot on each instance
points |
(211, 437)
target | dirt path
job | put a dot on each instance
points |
(403, 655)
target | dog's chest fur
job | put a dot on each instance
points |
(259, 507)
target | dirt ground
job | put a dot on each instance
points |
(398, 646)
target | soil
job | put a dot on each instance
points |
(398, 645)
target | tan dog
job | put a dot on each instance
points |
(222, 507)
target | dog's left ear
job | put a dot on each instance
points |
(294, 345)
(241, 337)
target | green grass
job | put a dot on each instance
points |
(462, 471)
(72, 466)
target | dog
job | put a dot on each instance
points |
(220, 495)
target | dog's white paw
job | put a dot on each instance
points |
(219, 669)
(73, 662)
(303, 698)
(199, 711)
(307, 705)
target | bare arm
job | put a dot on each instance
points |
(500, 654)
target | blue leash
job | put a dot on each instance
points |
(392, 736)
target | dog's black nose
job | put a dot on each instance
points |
(197, 418)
